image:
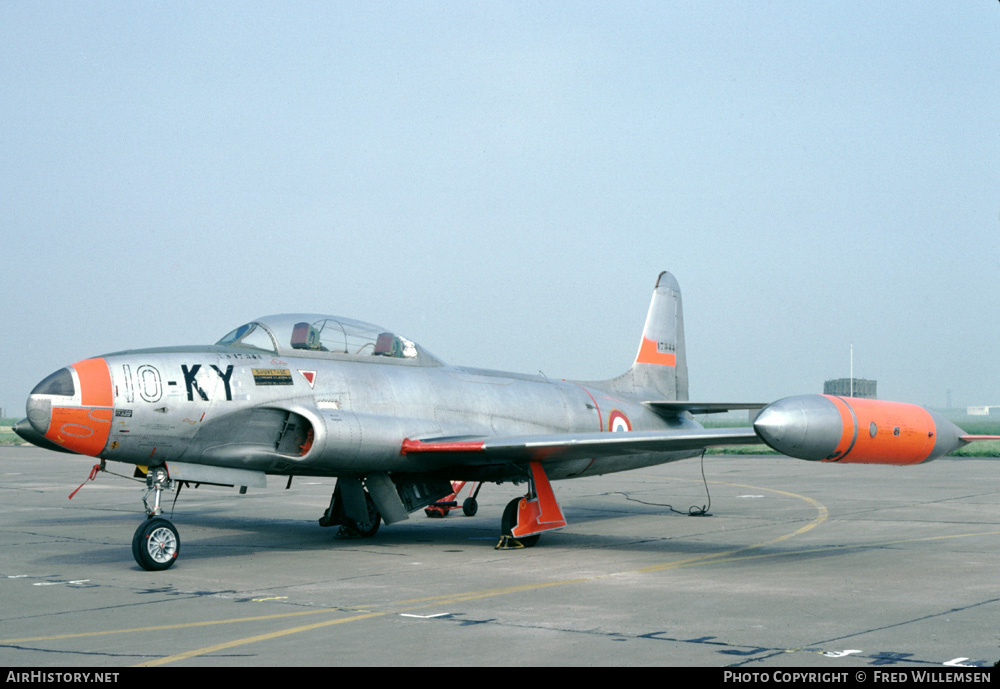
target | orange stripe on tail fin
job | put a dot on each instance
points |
(649, 353)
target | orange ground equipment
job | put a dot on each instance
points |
(442, 507)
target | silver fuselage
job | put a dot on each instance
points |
(314, 413)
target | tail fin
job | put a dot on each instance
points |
(660, 368)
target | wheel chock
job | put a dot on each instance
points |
(509, 543)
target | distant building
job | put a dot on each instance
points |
(843, 388)
(983, 411)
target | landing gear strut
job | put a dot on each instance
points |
(156, 545)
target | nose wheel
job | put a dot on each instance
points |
(156, 545)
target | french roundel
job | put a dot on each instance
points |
(617, 421)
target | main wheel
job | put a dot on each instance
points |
(156, 545)
(374, 520)
(509, 521)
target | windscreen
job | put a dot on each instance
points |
(249, 335)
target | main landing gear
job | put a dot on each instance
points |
(352, 509)
(156, 545)
(524, 519)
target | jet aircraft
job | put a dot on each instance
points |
(315, 395)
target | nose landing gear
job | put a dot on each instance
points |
(156, 545)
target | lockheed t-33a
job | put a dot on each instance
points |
(313, 395)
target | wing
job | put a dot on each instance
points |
(580, 445)
(539, 511)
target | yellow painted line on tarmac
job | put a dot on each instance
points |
(255, 639)
(181, 625)
(728, 556)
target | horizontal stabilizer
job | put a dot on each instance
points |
(581, 445)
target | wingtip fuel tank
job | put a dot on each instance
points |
(854, 430)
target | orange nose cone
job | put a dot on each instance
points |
(75, 415)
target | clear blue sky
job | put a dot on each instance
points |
(502, 182)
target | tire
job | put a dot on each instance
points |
(470, 507)
(156, 545)
(509, 521)
(374, 520)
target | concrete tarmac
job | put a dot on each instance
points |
(799, 564)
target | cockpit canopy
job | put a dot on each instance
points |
(315, 335)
